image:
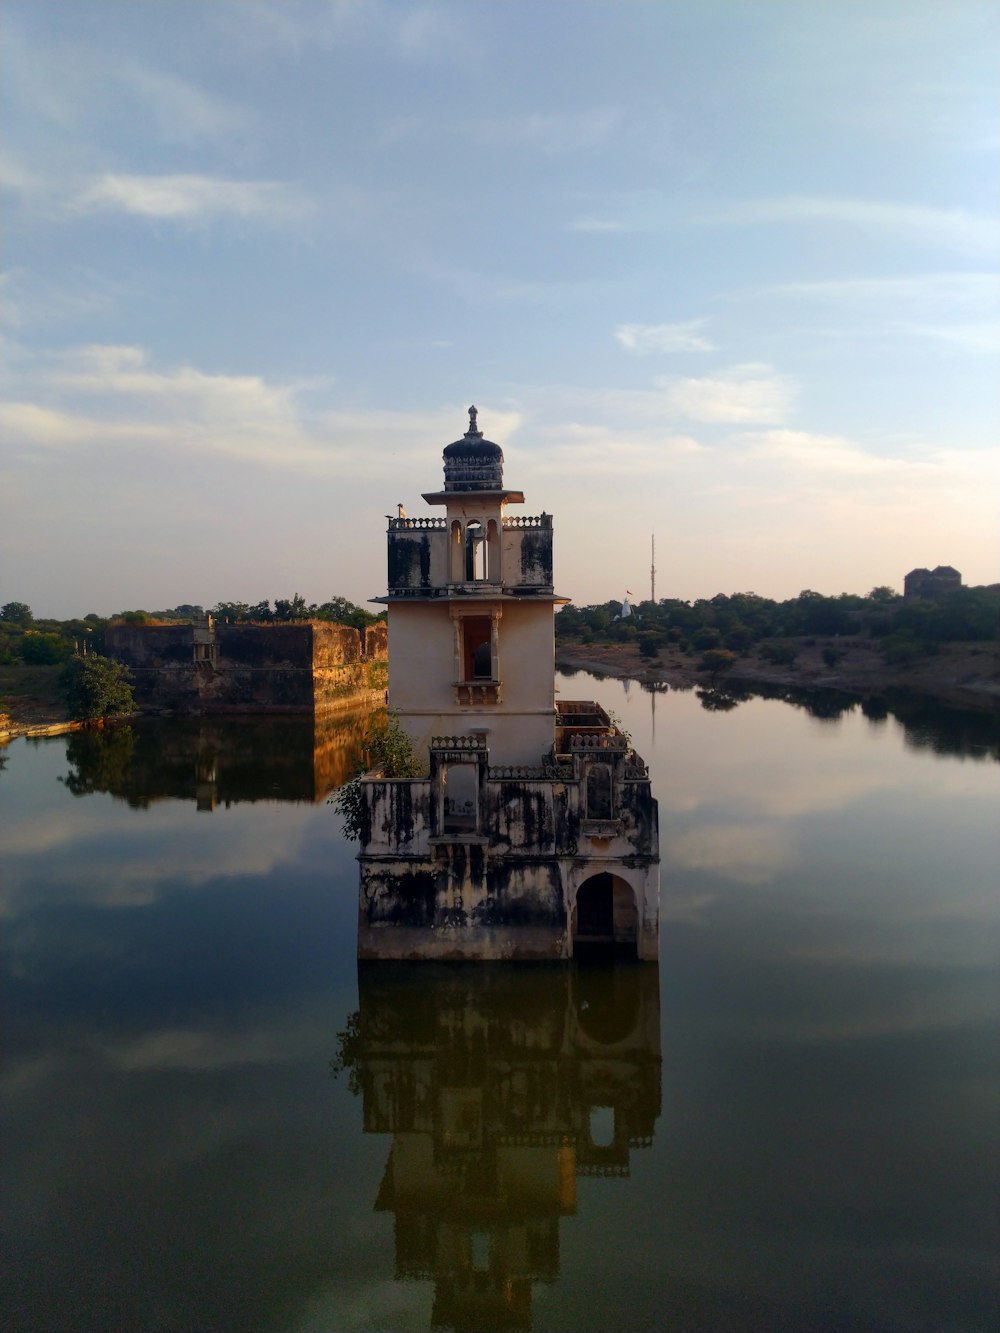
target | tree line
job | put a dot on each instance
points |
(739, 622)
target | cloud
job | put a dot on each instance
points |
(646, 338)
(811, 452)
(751, 392)
(110, 394)
(412, 33)
(181, 112)
(47, 428)
(190, 197)
(952, 228)
(952, 307)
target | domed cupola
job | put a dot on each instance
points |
(473, 463)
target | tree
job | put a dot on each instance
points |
(96, 687)
(44, 649)
(716, 661)
(345, 612)
(294, 609)
(389, 749)
(17, 613)
(883, 593)
(706, 637)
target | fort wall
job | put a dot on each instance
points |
(206, 667)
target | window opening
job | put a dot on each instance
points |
(477, 648)
(460, 789)
(599, 796)
(475, 552)
(602, 1126)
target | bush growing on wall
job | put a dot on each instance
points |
(387, 748)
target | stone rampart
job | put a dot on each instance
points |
(307, 667)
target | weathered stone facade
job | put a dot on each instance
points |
(476, 861)
(215, 667)
(534, 832)
(926, 584)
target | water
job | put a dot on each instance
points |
(211, 1123)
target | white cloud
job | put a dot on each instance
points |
(681, 337)
(110, 395)
(953, 228)
(181, 112)
(751, 392)
(810, 452)
(17, 178)
(190, 197)
(48, 428)
(960, 308)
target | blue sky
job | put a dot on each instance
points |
(722, 272)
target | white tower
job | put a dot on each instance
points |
(471, 604)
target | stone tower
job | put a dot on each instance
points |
(471, 602)
(533, 832)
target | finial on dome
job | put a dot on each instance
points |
(473, 429)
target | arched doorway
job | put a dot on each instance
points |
(605, 916)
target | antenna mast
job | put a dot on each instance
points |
(652, 569)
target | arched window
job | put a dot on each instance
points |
(475, 552)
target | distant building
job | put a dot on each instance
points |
(926, 584)
(535, 830)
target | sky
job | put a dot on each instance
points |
(718, 272)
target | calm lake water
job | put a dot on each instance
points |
(211, 1122)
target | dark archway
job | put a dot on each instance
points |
(605, 916)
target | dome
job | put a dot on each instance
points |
(473, 463)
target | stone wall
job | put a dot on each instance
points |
(307, 667)
(488, 863)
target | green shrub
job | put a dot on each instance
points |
(388, 748)
(96, 687)
(779, 654)
(716, 661)
(44, 649)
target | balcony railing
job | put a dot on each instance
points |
(477, 692)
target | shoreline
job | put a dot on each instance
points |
(963, 676)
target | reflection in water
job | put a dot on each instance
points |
(226, 760)
(926, 723)
(499, 1086)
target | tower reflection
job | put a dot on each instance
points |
(499, 1085)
